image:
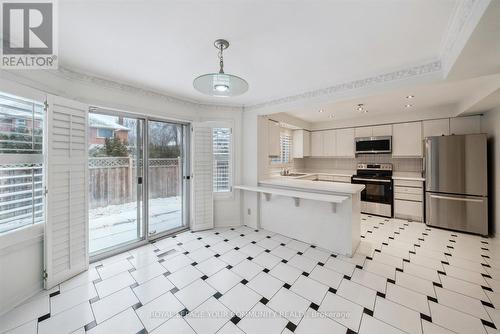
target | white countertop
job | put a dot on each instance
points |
(410, 176)
(315, 186)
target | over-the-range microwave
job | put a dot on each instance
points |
(373, 145)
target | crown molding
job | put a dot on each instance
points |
(72, 75)
(464, 20)
(403, 74)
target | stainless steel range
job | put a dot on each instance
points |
(377, 197)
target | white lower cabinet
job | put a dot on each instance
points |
(409, 200)
(408, 210)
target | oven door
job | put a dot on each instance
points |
(377, 191)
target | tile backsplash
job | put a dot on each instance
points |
(324, 164)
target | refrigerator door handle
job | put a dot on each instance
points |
(461, 199)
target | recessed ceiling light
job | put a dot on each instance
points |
(408, 106)
(331, 116)
(321, 110)
(410, 96)
(360, 107)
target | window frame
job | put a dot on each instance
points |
(35, 228)
(101, 137)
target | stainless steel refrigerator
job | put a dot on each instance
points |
(456, 187)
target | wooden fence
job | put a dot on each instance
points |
(113, 180)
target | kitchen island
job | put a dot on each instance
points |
(325, 214)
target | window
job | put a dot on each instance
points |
(104, 133)
(21, 166)
(285, 150)
(222, 159)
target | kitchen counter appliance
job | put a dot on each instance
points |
(456, 190)
(377, 197)
(373, 145)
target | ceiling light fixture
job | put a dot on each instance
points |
(220, 84)
(331, 116)
(321, 110)
(408, 106)
(410, 96)
(360, 107)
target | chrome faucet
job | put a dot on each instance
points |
(285, 171)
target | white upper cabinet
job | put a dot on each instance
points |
(382, 130)
(407, 139)
(273, 133)
(373, 131)
(436, 127)
(465, 125)
(330, 143)
(345, 143)
(365, 131)
(317, 143)
(301, 143)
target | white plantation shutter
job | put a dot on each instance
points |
(222, 159)
(66, 228)
(202, 190)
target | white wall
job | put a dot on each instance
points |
(21, 263)
(18, 282)
(491, 125)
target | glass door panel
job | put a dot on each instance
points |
(116, 155)
(166, 194)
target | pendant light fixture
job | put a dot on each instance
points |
(220, 84)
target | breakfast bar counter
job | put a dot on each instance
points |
(325, 214)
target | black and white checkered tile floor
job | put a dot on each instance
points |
(404, 278)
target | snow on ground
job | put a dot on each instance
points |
(116, 224)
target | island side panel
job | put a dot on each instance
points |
(356, 222)
(313, 222)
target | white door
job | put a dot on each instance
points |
(202, 216)
(66, 227)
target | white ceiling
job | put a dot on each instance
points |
(454, 96)
(281, 48)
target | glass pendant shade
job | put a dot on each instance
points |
(220, 84)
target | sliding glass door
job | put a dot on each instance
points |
(137, 189)
(116, 170)
(166, 170)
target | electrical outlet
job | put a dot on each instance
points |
(249, 212)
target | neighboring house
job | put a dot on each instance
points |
(102, 127)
